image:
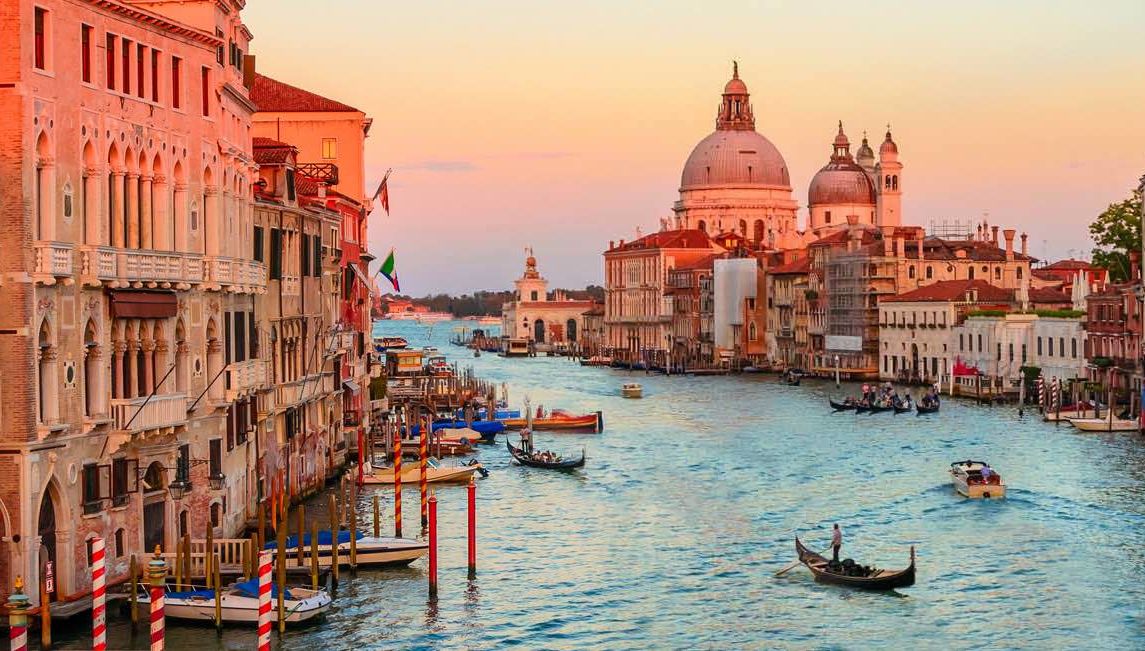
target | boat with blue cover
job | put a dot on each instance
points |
(239, 603)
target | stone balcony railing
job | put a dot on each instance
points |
(235, 275)
(53, 260)
(160, 411)
(244, 378)
(158, 268)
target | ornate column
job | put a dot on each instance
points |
(93, 387)
(50, 381)
(181, 379)
(211, 219)
(146, 238)
(161, 220)
(181, 228)
(92, 216)
(46, 198)
(131, 211)
(116, 210)
(159, 366)
(131, 369)
(214, 365)
(119, 348)
(148, 353)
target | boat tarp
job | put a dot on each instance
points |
(483, 427)
(324, 539)
(250, 589)
(191, 594)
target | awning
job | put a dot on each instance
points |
(352, 386)
(361, 276)
(143, 305)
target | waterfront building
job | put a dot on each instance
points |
(130, 293)
(691, 343)
(1113, 325)
(637, 314)
(538, 317)
(736, 286)
(1063, 274)
(848, 188)
(592, 337)
(998, 346)
(788, 296)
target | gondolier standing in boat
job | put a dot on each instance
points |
(836, 542)
(527, 441)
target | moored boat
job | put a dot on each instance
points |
(842, 406)
(976, 479)
(559, 421)
(390, 343)
(534, 461)
(632, 390)
(373, 551)
(435, 473)
(239, 603)
(1104, 424)
(853, 575)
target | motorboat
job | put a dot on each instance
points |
(1105, 424)
(849, 573)
(390, 343)
(239, 603)
(975, 479)
(561, 421)
(380, 551)
(435, 473)
(632, 390)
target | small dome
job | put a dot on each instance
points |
(735, 87)
(841, 138)
(888, 146)
(841, 182)
(865, 152)
(735, 158)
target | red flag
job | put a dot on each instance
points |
(383, 191)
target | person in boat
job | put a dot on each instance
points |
(987, 472)
(836, 542)
(527, 441)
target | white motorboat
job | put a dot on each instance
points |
(976, 479)
(370, 551)
(1104, 424)
(239, 603)
(632, 390)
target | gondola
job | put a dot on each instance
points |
(841, 406)
(926, 410)
(792, 382)
(524, 459)
(860, 409)
(902, 409)
(877, 580)
(877, 410)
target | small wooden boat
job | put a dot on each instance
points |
(523, 458)
(827, 572)
(926, 410)
(239, 603)
(903, 408)
(878, 410)
(382, 551)
(968, 480)
(859, 409)
(842, 406)
(559, 421)
(790, 381)
(632, 390)
(435, 473)
(1104, 424)
(390, 343)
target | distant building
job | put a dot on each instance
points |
(534, 315)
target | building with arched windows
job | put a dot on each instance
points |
(542, 318)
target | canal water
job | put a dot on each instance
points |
(692, 497)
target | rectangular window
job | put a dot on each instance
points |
(290, 184)
(216, 452)
(317, 259)
(252, 336)
(227, 339)
(240, 337)
(275, 254)
(1039, 346)
(1023, 353)
(329, 148)
(206, 89)
(140, 58)
(125, 67)
(258, 253)
(109, 63)
(40, 55)
(85, 52)
(124, 480)
(1061, 346)
(1073, 347)
(304, 253)
(96, 486)
(176, 86)
(155, 76)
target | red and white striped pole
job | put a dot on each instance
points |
(98, 597)
(18, 617)
(472, 490)
(264, 564)
(432, 547)
(423, 470)
(157, 573)
(398, 480)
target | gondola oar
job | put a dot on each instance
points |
(793, 565)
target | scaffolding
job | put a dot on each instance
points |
(952, 229)
(853, 282)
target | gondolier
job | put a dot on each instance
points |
(527, 440)
(836, 542)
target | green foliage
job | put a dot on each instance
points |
(810, 294)
(1101, 362)
(1060, 314)
(986, 313)
(1117, 231)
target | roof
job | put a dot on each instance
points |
(953, 290)
(1046, 295)
(699, 264)
(677, 239)
(273, 95)
(936, 248)
(1069, 264)
(800, 266)
(597, 310)
(268, 151)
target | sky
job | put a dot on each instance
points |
(561, 126)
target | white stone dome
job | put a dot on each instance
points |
(734, 157)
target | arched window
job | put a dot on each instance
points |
(743, 228)
(702, 225)
(120, 547)
(92, 392)
(570, 329)
(1019, 273)
(929, 272)
(752, 334)
(757, 231)
(910, 271)
(970, 273)
(216, 514)
(997, 273)
(46, 377)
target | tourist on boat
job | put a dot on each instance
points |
(986, 473)
(836, 542)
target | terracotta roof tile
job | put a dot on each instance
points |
(273, 95)
(679, 239)
(800, 266)
(953, 290)
(1069, 264)
(1046, 295)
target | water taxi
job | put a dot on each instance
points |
(976, 479)
(239, 603)
(381, 551)
(390, 343)
(632, 390)
(1104, 424)
(560, 421)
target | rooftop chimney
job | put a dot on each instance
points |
(1024, 236)
(994, 235)
(1009, 234)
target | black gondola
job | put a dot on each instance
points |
(875, 580)
(841, 406)
(524, 459)
(877, 410)
(902, 409)
(927, 410)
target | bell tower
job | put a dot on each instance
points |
(889, 173)
(531, 286)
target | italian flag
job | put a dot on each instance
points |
(387, 270)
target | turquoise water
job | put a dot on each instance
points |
(690, 501)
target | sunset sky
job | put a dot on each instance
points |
(562, 126)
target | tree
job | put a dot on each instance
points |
(1117, 231)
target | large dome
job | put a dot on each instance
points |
(730, 157)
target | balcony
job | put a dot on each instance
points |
(53, 261)
(160, 411)
(325, 172)
(244, 378)
(166, 269)
(288, 395)
(97, 264)
(235, 275)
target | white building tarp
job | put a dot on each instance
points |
(844, 342)
(732, 282)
